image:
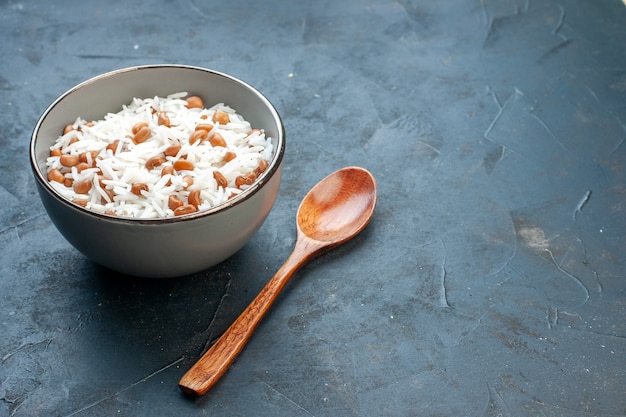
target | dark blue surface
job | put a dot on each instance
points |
(491, 281)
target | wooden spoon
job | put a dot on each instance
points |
(334, 211)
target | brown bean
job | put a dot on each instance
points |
(154, 162)
(198, 135)
(100, 181)
(221, 117)
(87, 156)
(254, 131)
(220, 179)
(68, 182)
(56, 152)
(80, 201)
(82, 157)
(138, 126)
(142, 135)
(204, 126)
(82, 166)
(183, 165)
(194, 102)
(138, 187)
(194, 198)
(229, 156)
(247, 179)
(73, 140)
(82, 187)
(173, 202)
(67, 129)
(163, 119)
(167, 170)
(55, 175)
(110, 194)
(172, 150)
(240, 180)
(217, 140)
(69, 160)
(188, 179)
(261, 167)
(187, 209)
(110, 213)
(113, 146)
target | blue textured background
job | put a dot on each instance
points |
(491, 281)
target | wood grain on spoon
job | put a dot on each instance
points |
(334, 211)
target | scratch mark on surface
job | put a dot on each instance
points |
(115, 394)
(508, 261)
(552, 317)
(288, 399)
(494, 96)
(619, 145)
(576, 315)
(20, 400)
(581, 204)
(554, 50)
(617, 119)
(593, 94)
(502, 148)
(621, 142)
(15, 227)
(496, 118)
(570, 275)
(496, 400)
(547, 129)
(443, 293)
(196, 9)
(599, 284)
(431, 147)
(501, 109)
(622, 125)
(564, 410)
(8, 400)
(489, 163)
(560, 22)
(209, 341)
(487, 21)
(26, 345)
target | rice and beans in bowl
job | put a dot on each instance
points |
(157, 158)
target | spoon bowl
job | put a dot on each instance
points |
(338, 207)
(333, 212)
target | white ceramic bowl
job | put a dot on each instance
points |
(159, 247)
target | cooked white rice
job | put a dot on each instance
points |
(112, 174)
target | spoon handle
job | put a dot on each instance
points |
(216, 361)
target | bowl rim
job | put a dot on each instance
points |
(273, 167)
